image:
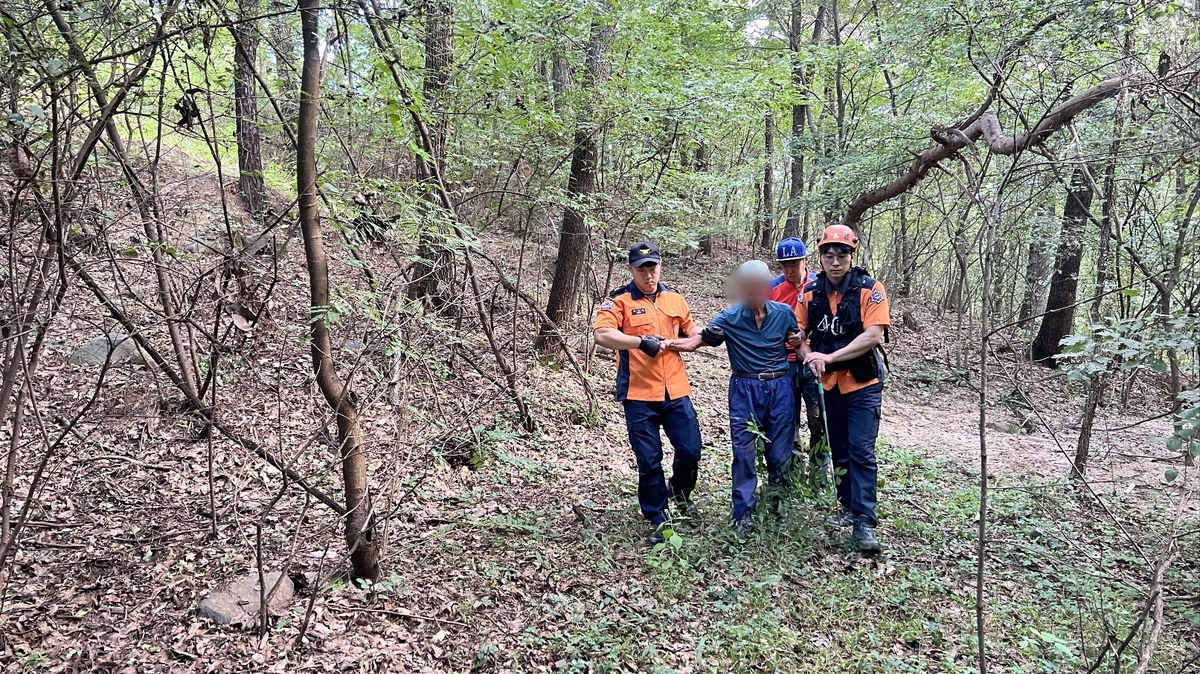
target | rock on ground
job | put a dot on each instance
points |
(95, 350)
(237, 602)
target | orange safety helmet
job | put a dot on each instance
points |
(838, 234)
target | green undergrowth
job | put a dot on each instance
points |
(1063, 572)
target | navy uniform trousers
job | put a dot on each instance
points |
(769, 407)
(853, 428)
(678, 419)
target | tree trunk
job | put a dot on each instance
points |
(574, 235)
(560, 73)
(700, 165)
(768, 184)
(1099, 383)
(1060, 310)
(1108, 207)
(1037, 267)
(905, 259)
(283, 43)
(429, 270)
(1166, 302)
(839, 84)
(364, 555)
(245, 103)
(1084, 443)
(954, 297)
(800, 113)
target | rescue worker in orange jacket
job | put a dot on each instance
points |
(844, 315)
(641, 321)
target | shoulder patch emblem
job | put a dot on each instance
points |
(876, 296)
(607, 304)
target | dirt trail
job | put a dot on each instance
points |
(1122, 460)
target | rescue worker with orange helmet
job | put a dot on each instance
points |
(843, 315)
(640, 321)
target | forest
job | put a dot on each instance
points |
(299, 373)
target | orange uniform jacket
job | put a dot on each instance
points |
(873, 304)
(640, 377)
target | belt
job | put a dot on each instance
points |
(762, 376)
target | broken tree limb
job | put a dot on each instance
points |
(987, 127)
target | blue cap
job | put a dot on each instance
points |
(790, 248)
(643, 253)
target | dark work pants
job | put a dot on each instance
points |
(853, 429)
(678, 419)
(771, 408)
(804, 384)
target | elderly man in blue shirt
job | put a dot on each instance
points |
(755, 332)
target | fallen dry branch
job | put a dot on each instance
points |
(397, 613)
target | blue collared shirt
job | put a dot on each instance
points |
(753, 349)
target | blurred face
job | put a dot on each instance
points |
(836, 263)
(646, 277)
(753, 292)
(795, 271)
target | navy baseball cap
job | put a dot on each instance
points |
(644, 252)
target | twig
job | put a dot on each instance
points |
(118, 457)
(529, 301)
(43, 524)
(274, 461)
(56, 546)
(162, 365)
(318, 582)
(401, 614)
(1150, 643)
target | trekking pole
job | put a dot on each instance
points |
(821, 408)
(826, 459)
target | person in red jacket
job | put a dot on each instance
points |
(792, 255)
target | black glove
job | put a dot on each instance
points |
(711, 336)
(651, 345)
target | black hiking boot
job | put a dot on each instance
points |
(867, 543)
(844, 518)
(655, 535)
(686, 508)
(742, 529)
